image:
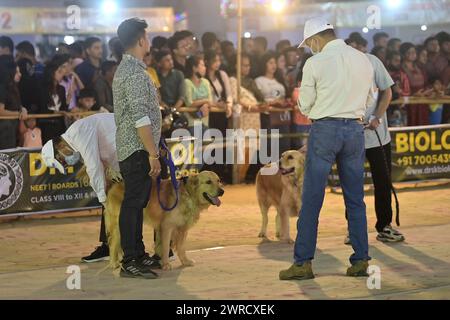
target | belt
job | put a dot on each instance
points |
(338, 119)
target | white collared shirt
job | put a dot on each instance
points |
(337, 82)
(94, 137)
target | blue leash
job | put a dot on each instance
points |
(176, 186)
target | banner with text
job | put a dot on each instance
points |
(418, 153)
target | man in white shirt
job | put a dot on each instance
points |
(336, 87)
(92, 140)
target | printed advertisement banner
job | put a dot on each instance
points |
(418, 153)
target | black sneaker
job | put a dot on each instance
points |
(149, 262)
(100, 253)
(133, 269)
(389, 234)
(171, 256)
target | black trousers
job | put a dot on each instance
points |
(102, 237)
(135, 172)
(382, 184)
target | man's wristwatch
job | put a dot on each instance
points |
(155, 157)
(373, 117)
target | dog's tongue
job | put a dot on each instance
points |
(216, 201)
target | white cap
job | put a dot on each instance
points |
(48, 157)
(314, 26)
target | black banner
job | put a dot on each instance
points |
(27, 185)
(418, 153)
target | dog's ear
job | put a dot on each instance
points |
(193, 180)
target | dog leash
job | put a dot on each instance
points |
(176, 186)
(388, 173)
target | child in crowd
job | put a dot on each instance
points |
(438, 92)
(31, 134)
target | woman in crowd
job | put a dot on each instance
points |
(274, 91)
(10, 105)
(222, 99)
(197, 92)
(53, 98)
(221, 91)
(417, 113)
(71, 83)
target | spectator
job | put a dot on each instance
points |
(191, 40)
(77, 52)
(282, 45)
(436, 109)
(436, 62)
(160, 43)
(228, 53)
(394, 45)
(397, 116)
(274, 91)
(148, 60)
(29, 85)
(116, 48)
(293, 63)
(252, 103)
(172, 80)
(281, 65)
(357, 41)
(10, 104)
(6, 46)
(248, 46)
(89, 69)
(86, 101)
(62, 48)
(417, 113)
(25, 50)
(72, 83)
(103, 85)
(53, 97)
(31, 134)
(259, 49)
(380, 39)
(380, 53)
(180, 51)
(210, 42)
(221, 91)
(197, 92)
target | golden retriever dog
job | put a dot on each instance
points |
(196, 194)
(283, 191)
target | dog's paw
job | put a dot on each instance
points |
(167, 266)
(262, 235)
(188, 263)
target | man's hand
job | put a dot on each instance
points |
(155, 167)
(373, 124)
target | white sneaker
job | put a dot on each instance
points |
(389, 234)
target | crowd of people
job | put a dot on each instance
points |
(200, 73)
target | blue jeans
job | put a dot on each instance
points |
(329, 141)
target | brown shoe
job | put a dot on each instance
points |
(358, 269)
(298, 272)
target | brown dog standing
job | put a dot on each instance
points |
(283, 191)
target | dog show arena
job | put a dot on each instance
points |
(231, 261)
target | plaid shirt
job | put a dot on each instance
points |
(135, 97)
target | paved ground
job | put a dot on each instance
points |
(35, 254)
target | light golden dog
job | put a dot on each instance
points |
(196, 194)
(283, 191)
